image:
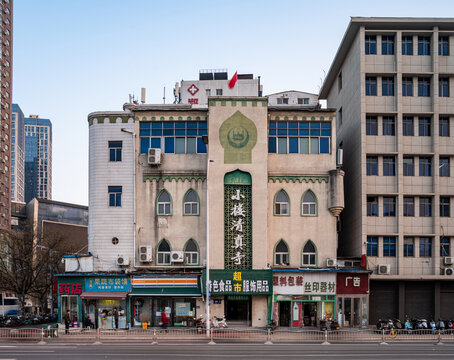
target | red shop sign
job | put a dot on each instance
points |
(352, 283)
(69, 289)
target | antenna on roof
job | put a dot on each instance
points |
(164, 97)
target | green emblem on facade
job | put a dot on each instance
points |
(238, 136)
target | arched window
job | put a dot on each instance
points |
(281, 203)
(191, 253)
(281, 253)
(164, 205)
(309, 254)
(163, 253)
(309, 204)
(191, 203)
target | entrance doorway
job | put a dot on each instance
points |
(284, 313)
(238, 310)
(310, 314)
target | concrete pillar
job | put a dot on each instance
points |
(402, 313)
(437, 301)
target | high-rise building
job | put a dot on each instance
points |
(38, 158)
(6, 63)
(17, 154)
(391, 83)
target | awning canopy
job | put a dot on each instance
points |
(104, 295)
(189, 292)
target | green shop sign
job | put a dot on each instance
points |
(239, 282)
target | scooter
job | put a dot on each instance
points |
(198, 323)
(408, 325)
(271, 326)
(432, 326)
(219, 322)
(441, 325)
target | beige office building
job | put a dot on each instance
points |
(392, 85)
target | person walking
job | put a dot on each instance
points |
(67, 319)
(115, 316)
(164, 319)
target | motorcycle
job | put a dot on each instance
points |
(334, 325)
(382, 325)
(397, 324)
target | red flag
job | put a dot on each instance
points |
(233, 80)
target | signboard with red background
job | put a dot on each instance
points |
(352, 283)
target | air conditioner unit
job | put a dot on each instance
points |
(154, 156)
(145, 254)
(384, 269)
(177, 256)
(331, 262)
(122, 260)
(448, 261)
(449, 271)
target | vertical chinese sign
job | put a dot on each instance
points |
(237, 220)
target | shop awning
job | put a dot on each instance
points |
(104, 295)
(165, 292)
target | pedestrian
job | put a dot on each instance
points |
(67, 319)
(115, 315)
(164, 319)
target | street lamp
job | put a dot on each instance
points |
(207, 292)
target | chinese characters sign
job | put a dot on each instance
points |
(240, 282)
(107, 283)
(237, 223)
(69, 289)
(304, 283)
(352, 283)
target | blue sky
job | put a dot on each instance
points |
(75, 57)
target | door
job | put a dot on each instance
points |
(284, 313)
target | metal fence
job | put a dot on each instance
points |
(154, 335)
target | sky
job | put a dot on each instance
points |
(71, 58)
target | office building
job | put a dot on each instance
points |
(38, 158)
(17, 155)
(391, 83)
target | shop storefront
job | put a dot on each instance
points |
(352, 299)
(233, 291)
(104, 301)
(92, 300)
(70, 289)
(303, 298)
(176, 295)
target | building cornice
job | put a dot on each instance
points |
(297, 178)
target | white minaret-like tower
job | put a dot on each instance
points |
(111, 190)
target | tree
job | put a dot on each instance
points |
(27, 263)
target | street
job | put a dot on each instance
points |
(174, 350)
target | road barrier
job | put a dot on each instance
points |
(226, 335)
